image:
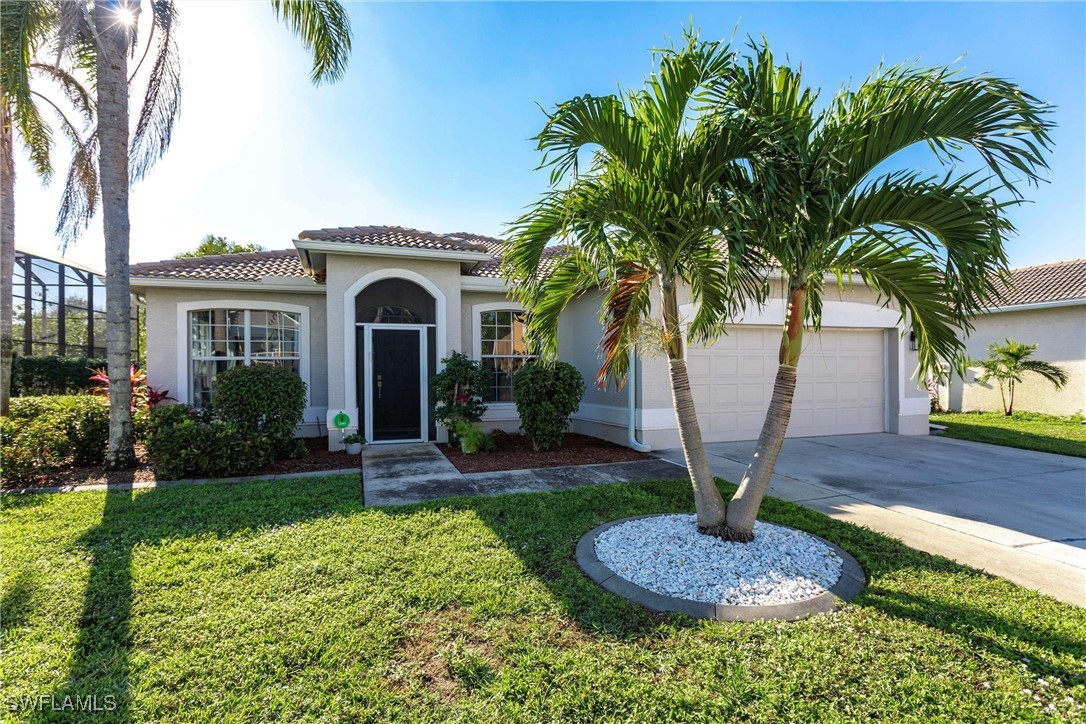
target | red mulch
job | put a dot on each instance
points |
(514, 452)
(317, 458)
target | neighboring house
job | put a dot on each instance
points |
(1044, 305)
(366, 314)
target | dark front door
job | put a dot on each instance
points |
(395, 385)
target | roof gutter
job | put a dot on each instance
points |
(1036, 305)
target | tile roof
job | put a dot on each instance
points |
(492, 266)
(395, 236)
(1057, 282)
(248, 267)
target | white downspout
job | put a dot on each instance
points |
(631, 407)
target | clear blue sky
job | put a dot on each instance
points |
(431, 126)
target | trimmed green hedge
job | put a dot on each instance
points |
(52, 375)
(47, 433)
(188, 443)
(547, 395)
(262, 401)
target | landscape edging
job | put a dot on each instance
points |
(850, 583)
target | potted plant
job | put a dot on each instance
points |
(354, 443)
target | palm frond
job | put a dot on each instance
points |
(324, 29)
(162, 99)
(591, 121)
(25, 28)
(901, 106)
(626, 304)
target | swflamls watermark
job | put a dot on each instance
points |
(52, 702)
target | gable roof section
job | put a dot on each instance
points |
(395, 236)
(1062, 281)
(254, 267)
(248, 267)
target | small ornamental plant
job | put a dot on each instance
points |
(353, 439)
(459, 389)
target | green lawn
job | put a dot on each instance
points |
(1029, 430)
(291, 601)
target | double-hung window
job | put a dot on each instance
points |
(502, 351)
(225, 338)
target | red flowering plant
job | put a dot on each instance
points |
(144, 397)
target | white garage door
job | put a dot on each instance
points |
(839, 391)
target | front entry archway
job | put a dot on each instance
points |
(395, 331)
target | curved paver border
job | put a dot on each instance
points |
(850, 583)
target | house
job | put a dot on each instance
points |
(366, 314)
(1044, 305)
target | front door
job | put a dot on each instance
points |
(395, 384)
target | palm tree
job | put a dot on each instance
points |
(1007, 362)
(109, 29)
(653, 213)
(27, 29)
(934, 246)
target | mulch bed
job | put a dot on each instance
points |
(317, 458)
(514, 452)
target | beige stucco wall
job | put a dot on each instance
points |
(345, 273)
(163, 336)
(1060, 336)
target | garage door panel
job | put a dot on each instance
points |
(840, 386)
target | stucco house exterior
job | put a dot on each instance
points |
(1045, 305)
(366, 314)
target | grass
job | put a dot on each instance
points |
(289, 600)
(1028, 430)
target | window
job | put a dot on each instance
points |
(502, 351)
(224, 338)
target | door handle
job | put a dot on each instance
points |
(379, 387)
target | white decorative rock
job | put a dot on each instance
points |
(666, 554)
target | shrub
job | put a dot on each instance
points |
(547, 396)
(52, 375)
(472, 438)
(187, 443)
(459, 391)
(29, 449)
(262, 401)
(82, 419)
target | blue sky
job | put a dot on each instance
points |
(431, 126)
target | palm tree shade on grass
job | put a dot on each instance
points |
(650, 215)
(105, 34)
(721, 160)
(1008, 362)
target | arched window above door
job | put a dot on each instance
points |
(395, 301)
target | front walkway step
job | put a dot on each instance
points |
(404, 474)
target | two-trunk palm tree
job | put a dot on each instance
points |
(1008, 362)
(653, 216)
(108, 30)
(27, 57)
(833, 208)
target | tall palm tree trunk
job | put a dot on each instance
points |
(744, 505)
(112, 68)
(7, 254)
(708, 503)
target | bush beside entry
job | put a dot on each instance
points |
(262, 401)
(547, 395)
(190, 443)
(459, 391)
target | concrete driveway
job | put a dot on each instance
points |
(1019, 514)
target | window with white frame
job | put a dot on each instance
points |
(502, 351)
(225, 338)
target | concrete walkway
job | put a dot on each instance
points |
(405, 474)
(1019, 514)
